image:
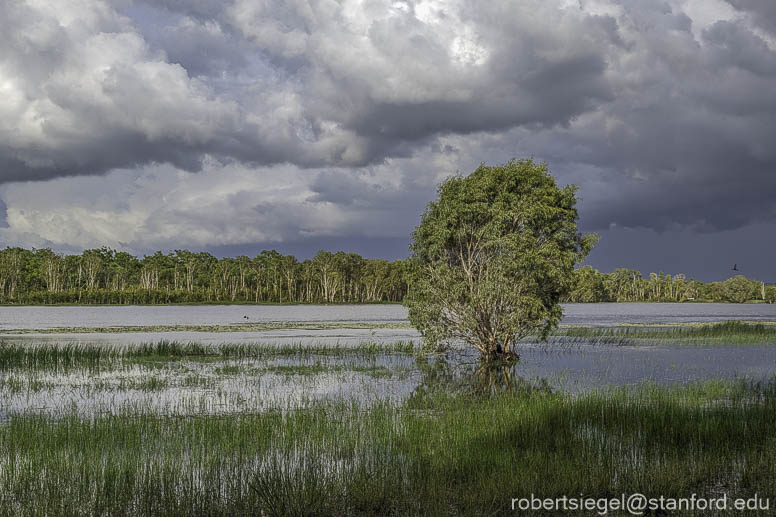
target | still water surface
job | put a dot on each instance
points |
(259, 385)
(574, 314)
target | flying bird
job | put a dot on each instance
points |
(735, 267)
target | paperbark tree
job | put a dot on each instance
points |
(493, 256)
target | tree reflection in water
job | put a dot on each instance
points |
(479, 378)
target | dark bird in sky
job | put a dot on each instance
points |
(735, 267)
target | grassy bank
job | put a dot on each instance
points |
(54, 356)
(728, 332)
(437, 453)
(235, 327)
(725, 333)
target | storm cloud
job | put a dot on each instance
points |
(206, 123)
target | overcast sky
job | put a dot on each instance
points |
(236, 125)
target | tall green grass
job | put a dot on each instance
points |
(440, 453)
(47, 355)
(728, 332)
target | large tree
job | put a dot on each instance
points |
(493, 256)
(738, 289)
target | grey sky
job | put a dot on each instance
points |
(234, 125)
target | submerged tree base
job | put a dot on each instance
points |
(499, 357)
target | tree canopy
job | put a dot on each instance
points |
(105, 276)
(493, 256)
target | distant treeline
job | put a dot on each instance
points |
(105, 276)
(628, 285)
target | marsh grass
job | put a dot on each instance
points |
(62, 356)
(24, 383)
(726, 333)
(188, 378)
(438, 453)
(466, 441)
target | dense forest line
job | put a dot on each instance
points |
(106, 276)
(628, 285)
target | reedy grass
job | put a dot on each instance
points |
(319, 368)
(439, 453)
(727, 333)
(47, 355)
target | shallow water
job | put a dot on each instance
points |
(343, 336)
(228, 386)
(585, 367)
(212, 387)
(233, 386)
(604, 314)
(147, 315)
(33, 317)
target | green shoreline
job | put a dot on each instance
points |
(184, 304)
(285, 304)
(728, 332)
(237, 327)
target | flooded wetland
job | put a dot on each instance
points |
(338, 410)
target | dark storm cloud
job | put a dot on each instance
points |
(704, 256)
(763, 12)
(663, 112)
(201, 9)
(203, 50)
(194, 38)
(734, 44)
(689, 172)
(102, 94)
(687, 142)
(3, 215)
(347, 189)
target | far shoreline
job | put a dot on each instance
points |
(284, 304)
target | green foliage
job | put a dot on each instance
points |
(493, 256)
(770, 294)
(730, 332)
(738, 289)
(105, 276)
(589, 285)
(628, 285)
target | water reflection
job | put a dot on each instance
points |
(223, 385)
(477, 378)
(203, 386)
(489, 379)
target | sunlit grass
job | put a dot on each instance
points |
(465, 442)
(436, 454)
(67, 355)
(726, 333)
